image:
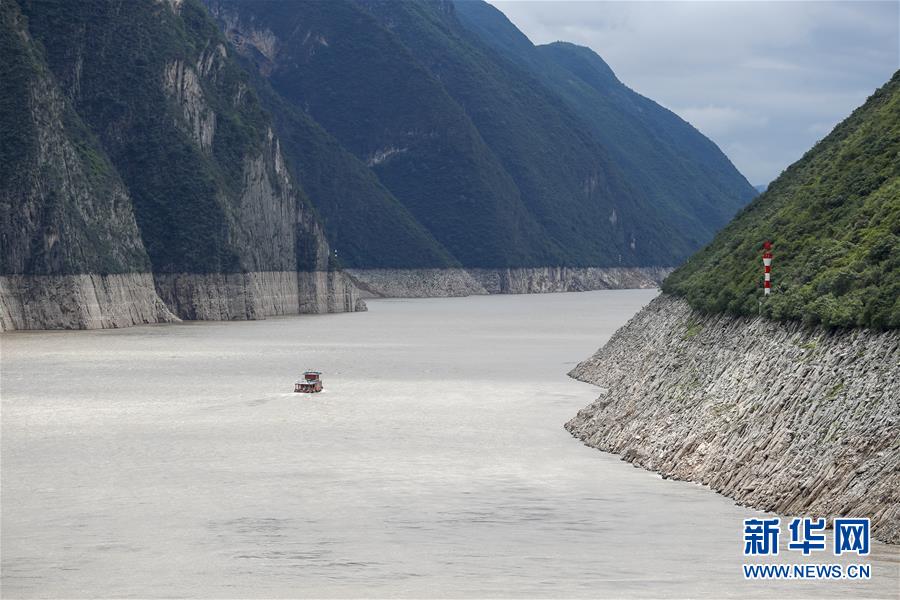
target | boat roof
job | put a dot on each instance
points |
(312, 372)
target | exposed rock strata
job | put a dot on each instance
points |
(239, 296)
(539, 280)
(427, 283)
(79, 301)
(123, 300)
(415, 283)
(183, 85)
(328, 292)
(68, 201)
(229, 296)
(63, 207)
(777, 416)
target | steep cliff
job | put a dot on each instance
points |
(427, 283)
(364, 222)
(149, 153)
(782, 417)
(64, 211)
(790, 414)
(357, 80)
(500, 168)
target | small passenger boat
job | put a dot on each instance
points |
(310, 383)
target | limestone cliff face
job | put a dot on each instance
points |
(172, 202)
(71, 251)
(80, 301)
(62, 205)
(182, 84)
(777, 416)
(66, 208)
(328, 292)
(240, 296)
(280, 246)
(426, 283)
(540, 280)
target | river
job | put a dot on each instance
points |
(174, 460)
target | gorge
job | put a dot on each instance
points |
(227, 161)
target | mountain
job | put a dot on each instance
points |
(684, 176)
(62, 204)
(365, 224)
(483, 151)
(355, 78)
(146, 152)
(833, 218)
(228, 159)
(761, 187)
(787, 404)
(158, 90)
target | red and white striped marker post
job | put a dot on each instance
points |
(767, 266)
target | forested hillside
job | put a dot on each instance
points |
(182, 128)
(833, 218)
(63, 207)
(235, 137)
(688, 181)
(500, 163)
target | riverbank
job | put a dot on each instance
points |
(778, 416)
(430, 283)
(114, 301)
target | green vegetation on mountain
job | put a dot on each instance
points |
(63, 208)
(356, 79)
(365, 224)
(154, 83)
(398, 129)
(18, 69)
(689, 182)
(580, 198)
(833, 218)
(498, 165)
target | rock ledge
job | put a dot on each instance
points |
(778, 416)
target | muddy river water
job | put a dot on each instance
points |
(175, 460)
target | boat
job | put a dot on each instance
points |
(310, 383)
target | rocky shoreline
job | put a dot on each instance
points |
(430, 283)
(778, 416)
(94, 301)
(80, 301)
(123, 300)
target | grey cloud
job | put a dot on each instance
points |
(764, 80)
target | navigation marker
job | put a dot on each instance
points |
(767, 266)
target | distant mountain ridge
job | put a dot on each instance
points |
(473, 134)
(688, 181)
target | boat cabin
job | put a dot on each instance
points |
(310, 383)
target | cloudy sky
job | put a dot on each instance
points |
(765, 80)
